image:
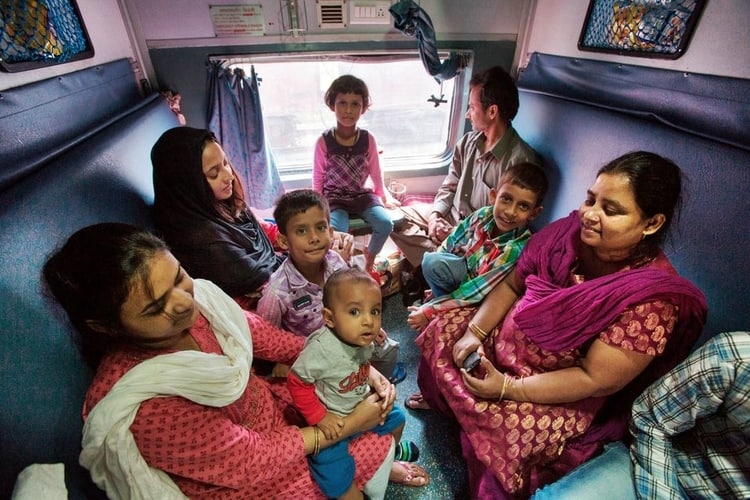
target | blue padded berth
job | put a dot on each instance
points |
(74, 151)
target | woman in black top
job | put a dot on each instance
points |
(201, 212)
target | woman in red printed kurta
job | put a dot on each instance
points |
(212, 452)
(174, 410)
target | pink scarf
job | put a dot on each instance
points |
(551, 317)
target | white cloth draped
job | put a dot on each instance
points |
(109, 450)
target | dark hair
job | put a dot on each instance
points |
(347, 84)
(344, 276)
(496, 86)
(93, 273)
(177, 158)
(296, 202)
(527, 176)
(657, 187)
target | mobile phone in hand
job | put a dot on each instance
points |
(471, 361)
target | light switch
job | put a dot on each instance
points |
(369, 12)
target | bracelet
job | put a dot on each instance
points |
(477, 332)
(506, 381)
(316, 446)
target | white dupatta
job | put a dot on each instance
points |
(109, 450)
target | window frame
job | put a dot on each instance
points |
(401, 166)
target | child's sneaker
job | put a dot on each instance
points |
(406, 451)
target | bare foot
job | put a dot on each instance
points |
(408, 474)
(416, 402)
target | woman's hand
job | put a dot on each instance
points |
(465, 346)
(368, 413)
(489, 382)
(417, 320)
(342, 244)
(332, 426)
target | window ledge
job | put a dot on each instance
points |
(397, 169)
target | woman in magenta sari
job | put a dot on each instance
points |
(592, 313)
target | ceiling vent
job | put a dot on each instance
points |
(331, 14)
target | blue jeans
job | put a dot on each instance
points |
(376, 216)
(610, 475)
(443, 272)
(333, 468)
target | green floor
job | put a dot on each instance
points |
(436, 436)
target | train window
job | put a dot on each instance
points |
(411, 114)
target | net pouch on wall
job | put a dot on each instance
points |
(35, 33)
(650, 28)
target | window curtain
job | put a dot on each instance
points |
(235, 116)
(412, 20)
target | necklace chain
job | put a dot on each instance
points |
(348, 141)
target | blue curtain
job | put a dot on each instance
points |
(235, 116)
(412, 20)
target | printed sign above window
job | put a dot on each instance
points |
(237, 20)
(34, 34)
(645, 28)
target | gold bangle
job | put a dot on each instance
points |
(506, 381)
(316, 446)
(477, 332)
